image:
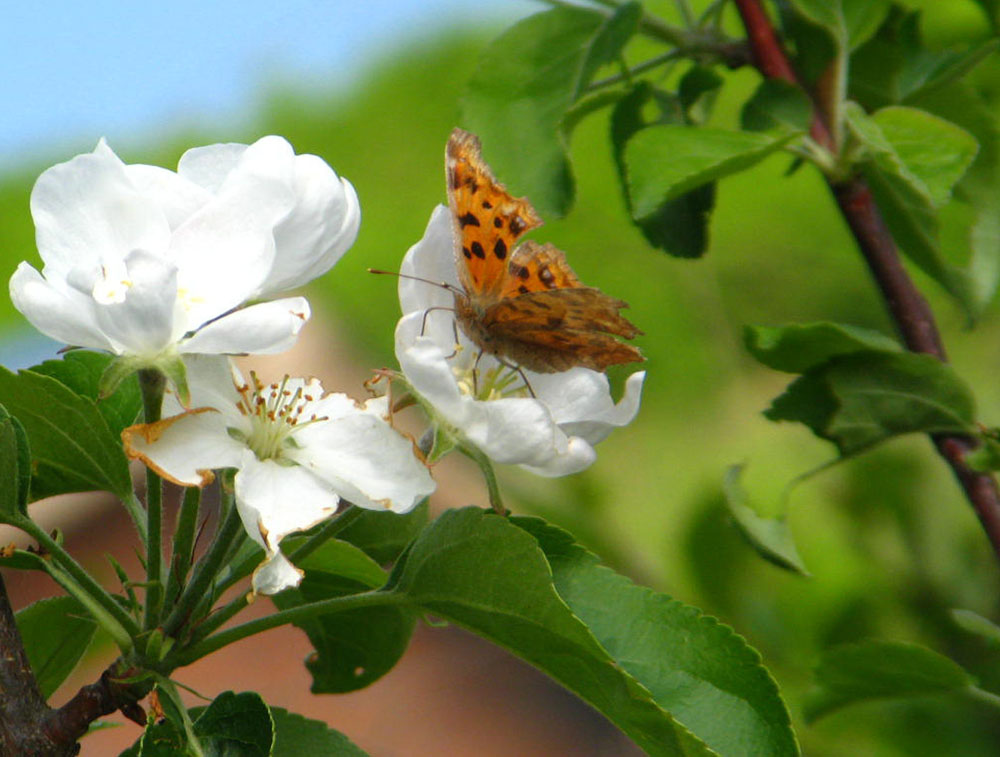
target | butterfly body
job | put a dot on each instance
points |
(523, 303)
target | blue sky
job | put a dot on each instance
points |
(73, 72)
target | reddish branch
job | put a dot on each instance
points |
(909, 310)
(28, 726)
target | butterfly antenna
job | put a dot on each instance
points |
(443, 284)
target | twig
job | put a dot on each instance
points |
(909, 310)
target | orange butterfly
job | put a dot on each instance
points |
(524, 304)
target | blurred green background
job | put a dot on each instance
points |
(890, 541)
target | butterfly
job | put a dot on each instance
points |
(523, 304)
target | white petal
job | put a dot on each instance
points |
(185, 448)
(88, 212)
(275, 574)
(225, 252)
(603, 416)
(209, 166)
(577, 456)
(142, 322)
(61, 313)
(510, 430)
(212, 381)
(362, 457)
(262, 329)
(178, 197)
(275, 500)
(423, 363)
(432, 258)
(514, 430)
(318, 231)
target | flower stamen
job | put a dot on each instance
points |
(275, 413)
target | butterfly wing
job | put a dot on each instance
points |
(487, 220)
(548, 321)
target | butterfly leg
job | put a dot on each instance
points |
(524, 377)
(475, 374)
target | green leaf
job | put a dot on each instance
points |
(905, 197)
(56, 633)
(482, 572)
(664, 162)
(678, 226)
(235, 725)
(797, 347)
(162, 739)
(777, 104)
(383, 536)
(895, 66)
(863, 398)
(72, 448)
(526, 81)
(849, 22)
(976, 624)
(985, 457)
(82, 372)
(15, 468)
(339, 558)
(935, 152)
(880, 670)
(770, 537)
(356, 647)
(296, 736)
(694, 666)
(696, 92)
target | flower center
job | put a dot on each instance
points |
(276, 412)
(499, 381)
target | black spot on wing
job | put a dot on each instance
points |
(468, 220)
(477, 250)
(500, 249)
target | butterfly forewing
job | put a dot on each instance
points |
(487, 220)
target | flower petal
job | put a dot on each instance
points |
(319, 230)
(209, 166)
(186, 447)
(59, 312)
(142, 321)
(275, 574)
(432, 258)
(225, 251)
(362, 457)
(178, 197)
(88, 213)
(580, 401)
(261, 329)
(273, 501)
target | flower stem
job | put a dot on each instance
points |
(375, 598)
(83, 585)
(138, 515)
(492, 486)
(180, 560)
(328, 530)
(206, 568)
(152, 383)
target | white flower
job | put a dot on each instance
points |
(552, 434)
(297, 453)
(147, 262)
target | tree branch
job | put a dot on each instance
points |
(909, 310)
(28, 725)
(22, 708)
